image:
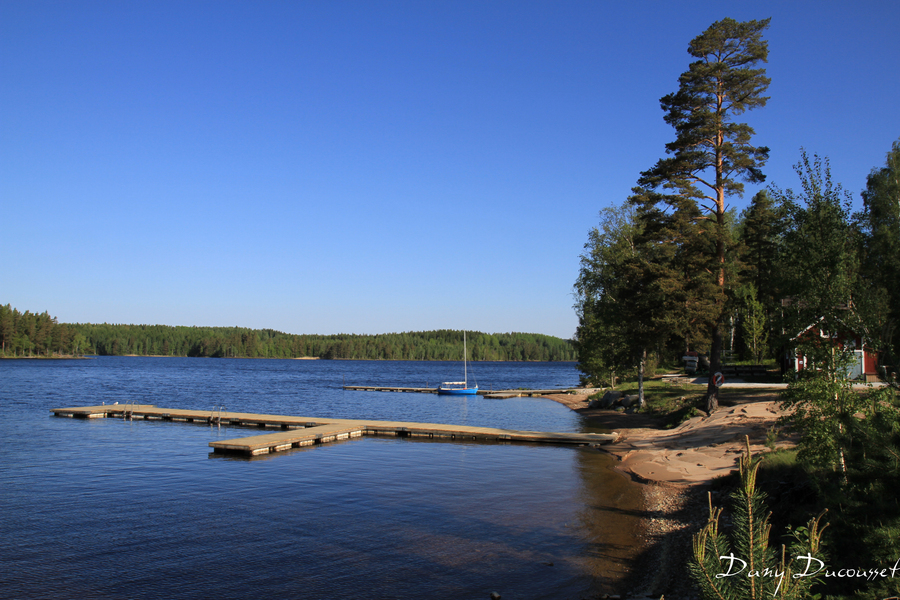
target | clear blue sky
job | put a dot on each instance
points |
(369, 167)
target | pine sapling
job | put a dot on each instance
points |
(743, 566)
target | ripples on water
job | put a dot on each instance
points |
(112, 509)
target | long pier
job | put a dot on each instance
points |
(497, 394)
(296, 432)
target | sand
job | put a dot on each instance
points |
(673, 466)
(695, 452)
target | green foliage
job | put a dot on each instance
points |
(849, 439)
(28, 334)
(867, 529)
(881, 199)
(663, 275)
(711, 151)
(669, 281)
(820, 264)
(32, 334)
(755, 325)
(880, 222)
(601, 336)
(631, 293)
(827, 299)
(850, 446)
(746, 566)
(218, 342)
(823, 406)
(761, 229)
(761, 225)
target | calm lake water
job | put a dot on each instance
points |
(105, 508)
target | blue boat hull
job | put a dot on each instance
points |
(457, 391)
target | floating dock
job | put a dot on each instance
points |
(496, 394)
(296, 432)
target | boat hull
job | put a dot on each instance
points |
(457, 391)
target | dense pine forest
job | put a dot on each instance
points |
(29, 334)
(33, 334)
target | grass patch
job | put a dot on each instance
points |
(769, 364)
(674, 402)
(780, 461)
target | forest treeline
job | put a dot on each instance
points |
(267, 343)
(33, 334)
(29, 334)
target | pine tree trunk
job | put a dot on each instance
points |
(712, 392)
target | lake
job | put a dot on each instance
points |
(106, 508)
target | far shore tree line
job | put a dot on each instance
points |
(674, 269)
(33, 334)
(28, 334)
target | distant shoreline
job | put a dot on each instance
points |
(93, 356)
(217, 357)
(54, 357)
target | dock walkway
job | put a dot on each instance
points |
(295, 432)
(495, 394)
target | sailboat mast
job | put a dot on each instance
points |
(465, 359)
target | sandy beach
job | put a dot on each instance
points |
(674, 466)
(695, 452)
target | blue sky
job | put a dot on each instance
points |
(369, 167)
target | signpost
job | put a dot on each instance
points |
(718, 379)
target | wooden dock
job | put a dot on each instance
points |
(296, 432)
(495, 394)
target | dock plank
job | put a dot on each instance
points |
(297, 431)
(285, 440)
(495, 394)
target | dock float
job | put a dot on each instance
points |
(495, 394)
(296, 432)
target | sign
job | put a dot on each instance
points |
(718, 379)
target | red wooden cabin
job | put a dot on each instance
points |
(864, 365)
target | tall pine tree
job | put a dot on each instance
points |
(712, 153)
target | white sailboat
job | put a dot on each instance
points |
(460, 388)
